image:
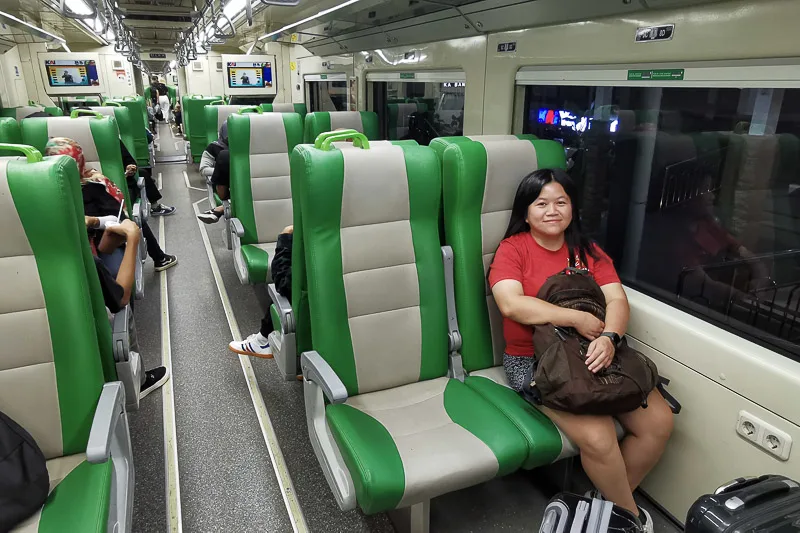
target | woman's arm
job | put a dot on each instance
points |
(601, 350)
(513, 304)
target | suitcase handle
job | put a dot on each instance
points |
(762, 490)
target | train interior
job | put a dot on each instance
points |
(391, 134)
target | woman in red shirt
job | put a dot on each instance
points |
(540, 234)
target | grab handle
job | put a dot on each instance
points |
(75, 113)
(251, 109)
(359, 140)
(325, 134)
(32, 154)
(111, 104)
(217, 102)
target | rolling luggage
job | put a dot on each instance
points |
(747, 505)
(570, 513)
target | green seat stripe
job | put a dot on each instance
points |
(42, 209)
(275, 318)
(369, 120)
(321, 200)
(316, 123)
(544, 440)
(241, 192)
(376, 466)
(257, 263)
(468, 410)
(80, 502)
(9, 133)
(424, 186)
(466, 162)
(550, 154)
(299, 274)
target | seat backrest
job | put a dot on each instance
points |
(399, 117)
(18, 113)
(439, 144)
(285, 108)
(261, 193)
(9, 133)
(51, 373)
(215, 117)
(138, 118)
(365, 122)
(97, 136)
(124, 124)
(480, 181)
(375, 274)
(193, 108)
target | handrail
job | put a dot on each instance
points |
(31, 154)
(325, 134)
(250, 109)
(75, 113)
(359, 140)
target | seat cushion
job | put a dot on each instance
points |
(257, 259)
(412, 443)
(546, 442)
(80, 494)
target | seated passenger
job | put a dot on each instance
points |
(102, 198)
(257, 344)
(541, 231)
(177, 115)
(117, 290)
(215, 164)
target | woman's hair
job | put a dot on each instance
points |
(68, 147)
(529, 190)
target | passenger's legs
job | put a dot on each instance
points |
(647, 433)
(161, 260)
(601, 458)
(163, 102)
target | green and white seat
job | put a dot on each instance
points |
(52, 376)
(10, 134)
(138, 117)
(261, 195)
(365, 122)
(400, 116)
(389, 427)
(194, 122)
(215, 116)
(18, 113)
(480, 181)
(285, 108)
(98, 136)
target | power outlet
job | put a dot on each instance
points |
(764, 435)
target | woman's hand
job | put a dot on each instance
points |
(600, 354)
(130, 171)
(588, 325)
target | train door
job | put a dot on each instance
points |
(326, 92)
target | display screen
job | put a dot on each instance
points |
(567, 119)
(72, 73)
(245, 75)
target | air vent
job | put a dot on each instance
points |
(219, 66)
(197, 66)
(117, 65)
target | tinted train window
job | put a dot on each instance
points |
(695, 193)
(419, 111)
(327, 95)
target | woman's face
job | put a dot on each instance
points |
(551, 212)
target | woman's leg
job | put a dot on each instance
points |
(647, 433)
(153, 249)
(601, 458)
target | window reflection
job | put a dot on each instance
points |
(695, 193)
(421, 111)
(327, 95)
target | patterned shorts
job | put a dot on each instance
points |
(517, 369)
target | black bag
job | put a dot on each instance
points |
(561, 378)
(24, 482)
(745, 505)
(159, 115)
(570, 513)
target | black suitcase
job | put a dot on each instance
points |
(748, 505)
(570, 513)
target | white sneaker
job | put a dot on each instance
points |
(646, 520)
(254, 345)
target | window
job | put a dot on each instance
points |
(694, 192)
(327, 95)
(420, 111)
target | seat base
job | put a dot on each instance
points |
(413, 519)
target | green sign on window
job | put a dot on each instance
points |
(323, 76)
(406, 75)
(671, 74)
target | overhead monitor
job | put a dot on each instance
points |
(249, 75)
(71, 74)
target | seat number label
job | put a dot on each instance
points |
(655, 33)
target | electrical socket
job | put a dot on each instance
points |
(764, 435)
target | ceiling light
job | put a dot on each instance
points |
(12, 20)
(233, 8)
(79, 7)
(309, 19)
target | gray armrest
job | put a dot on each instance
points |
(453, 333)
(226, 206)
(317, 370)
(109, 410)
(236, 226)
(121, 335)
(284, 308)
(137, 213)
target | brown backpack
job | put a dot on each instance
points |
(562, 380)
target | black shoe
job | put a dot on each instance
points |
(168, 261)
(162, 210)
(210, 217)
(153, 379)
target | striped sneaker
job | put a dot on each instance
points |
(255, 345)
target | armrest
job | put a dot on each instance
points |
(284, 307)
(317, 370)
(121, 335)
(453, 334)
(236, 226)
(227, 213)
(137, 212)
(110, 408)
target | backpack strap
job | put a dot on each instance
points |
(529, 389)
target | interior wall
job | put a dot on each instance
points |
(31, 73)
(13, 91)
(306, 63)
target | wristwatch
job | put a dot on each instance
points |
(615, 338)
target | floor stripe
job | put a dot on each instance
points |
(296, 516)
(173, 487)
(160, 181)
(188, 185)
